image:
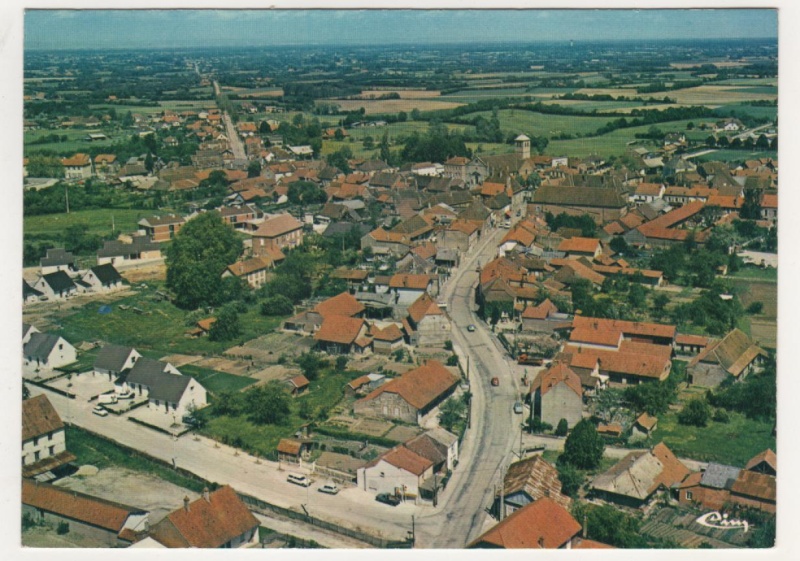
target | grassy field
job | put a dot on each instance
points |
(325, 392)
(216, 381)
(735, 155)
(770, 112)
(98, 221)
(101, 453)
(732, 443)
(160, 327)
(539, 124)
(75, 141)
(383, 106)
(613, 143)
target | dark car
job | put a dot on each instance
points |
(388, 499)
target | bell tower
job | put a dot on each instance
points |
(522, 145)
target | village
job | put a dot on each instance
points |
(299, 341)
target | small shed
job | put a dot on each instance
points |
(299, 385)
(293, 450)
(610, 430)
(644, 426)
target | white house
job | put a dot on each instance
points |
(112, 360)
(55, 285)
(447, 440)
(44, 444)
(27, 331)
(47, 350)
(57, 259)
(164, 386)
(399, 472)
(409, 287)
(102, 277)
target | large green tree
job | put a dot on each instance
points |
(583, 448)
(196, 259)
(269, 404)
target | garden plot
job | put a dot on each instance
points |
(178, 360)
(269, 348)
(237, 367)
(276, 372)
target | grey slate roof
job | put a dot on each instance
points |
(719, 476)
(112, 357)
(146, 372)
(106, 274)
(115, 248)
(40, 345)
(28, 290)
(59, 281)
(170, 387)
(57, 256)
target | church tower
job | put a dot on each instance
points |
(522, 146)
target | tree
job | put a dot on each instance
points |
(583, 448)
(268, 404)
(402, 116)
(341, 362)
(386, 154)
(562, 428)
(229, 403)
(415, 114)
(338, 134)
(637, 295)
(149, 163)
(570, 478)
(253, 169)
(653, 397)
(451, 413)
(310, 364)
(660, 302)
(278, 305)
(196, 258)
(619, 245)
(751, 207)
(226, 327)
(608, 525)
(339, 159)
(696, 413)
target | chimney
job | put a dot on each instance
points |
(206, 495)
(186, 503)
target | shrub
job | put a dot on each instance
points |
(583, 447)
(755, 308)
(563, 428)
(538, 427)
(62, 528)
(278, 305)
(452, 360)
(721, 416)
(695, 413)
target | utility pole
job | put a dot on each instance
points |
(521, 428)
(413, 532)
(435, 489)
(502, 492)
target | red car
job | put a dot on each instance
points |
(495, 381)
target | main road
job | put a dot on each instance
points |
(235, 143)
(487, 446)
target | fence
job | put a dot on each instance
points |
(263, 507)
(45, 386)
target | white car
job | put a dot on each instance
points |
(329, 488)
(100, 411)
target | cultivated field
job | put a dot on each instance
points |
(540, 124)
(376, 107)
(99, 221)
(403, 93)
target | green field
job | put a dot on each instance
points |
(75, 141)
(98, 220)
(216, 381)
(539, 124)
(769, 112)
(758, 89)
(101, 453)
(735, 155)
(732, 443)
(612, 144)
(160, 326)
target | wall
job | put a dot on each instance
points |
(433, 331)
(370, 479)
(42, 445)
(387, 405)
(560, 402)
(106, 537)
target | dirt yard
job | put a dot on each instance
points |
(157, 271)
(268, 349)
(44, 314)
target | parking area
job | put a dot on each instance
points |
(85, 385)
(167, 421)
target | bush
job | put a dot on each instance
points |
(62, 528)
(538, 427)
(583, 447)
(721, 416)
(571, 479)
(278, 305)
(563, 428)
(341, 362)
(448, 345)
(755, 308)
(452, 360)
(695, 413)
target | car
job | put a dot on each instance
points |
(471, 328)
(301, 480)
(495, 381)
(329, 488)
(100, 411)
(518, 408)
(386, 498)
(125, 395)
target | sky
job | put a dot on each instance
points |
(82, 29)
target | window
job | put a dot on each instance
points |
(51, 450)
(35, 440)
(688, 495)
(60, 346)
(383, 474)
(36, 456)
(24, 459)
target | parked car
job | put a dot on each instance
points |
(125, 395)
(301, 480)
(329, 488)
(388, 499)
(100, 411)
(495, 381)
(471, 328)
(518, 408)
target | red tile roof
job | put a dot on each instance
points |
(339, 329)
(389, 333)
(686, 339)
(756, 485)
(539, 525)
(403, 458)
(579, 245)
(635, 364)
(344, 304)
(207, 523)
(77, 160)
(278, 226)
(299, 381)
(558, 373)
(767, 456)
(39, 417)
(424, 306)
(289, 446)
(420, 386)
(629, 328)
(414, 282)
(542, 311)
(610, 338)
(769, 201)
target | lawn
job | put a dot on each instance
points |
(756, 273)
(732, 443)
(216, 381)
(100, 452)
(735, 155)
(75, 141)
(612, 144)
(99, 221)
(325, 392)
(160, 326)
(540, 124)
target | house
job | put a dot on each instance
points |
(411, 396)
(636, 331)
(27, 331)
(163, 385)
(544, 318)
(112, 360)
(57, 259)
(161, 228)
(710, 488)
(253, 270)
(293, 450)
(55, 285)
(47, 350)
(427, 325)
(342, 334)
(241, 216)
(30, 294)
(581, 247)
(542, 524)
(616, 367)
(635, 480)
(764, 462)
(408, 288)
(736, 355)
(102, 277)
(755, 490)
(555, 394)
(277, 232)
(383, 242)
(364, 384)
(106, 164)
(343, 304)
(44, 445)
(77, 167)
(647, 192)
(399, 471)
(299, 385)
(107, 522)
(603, 204)
(388, 339)
(117, 252)
(527, 481)
(218, 519)
(644, 426)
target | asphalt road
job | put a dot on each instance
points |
(488, 443)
